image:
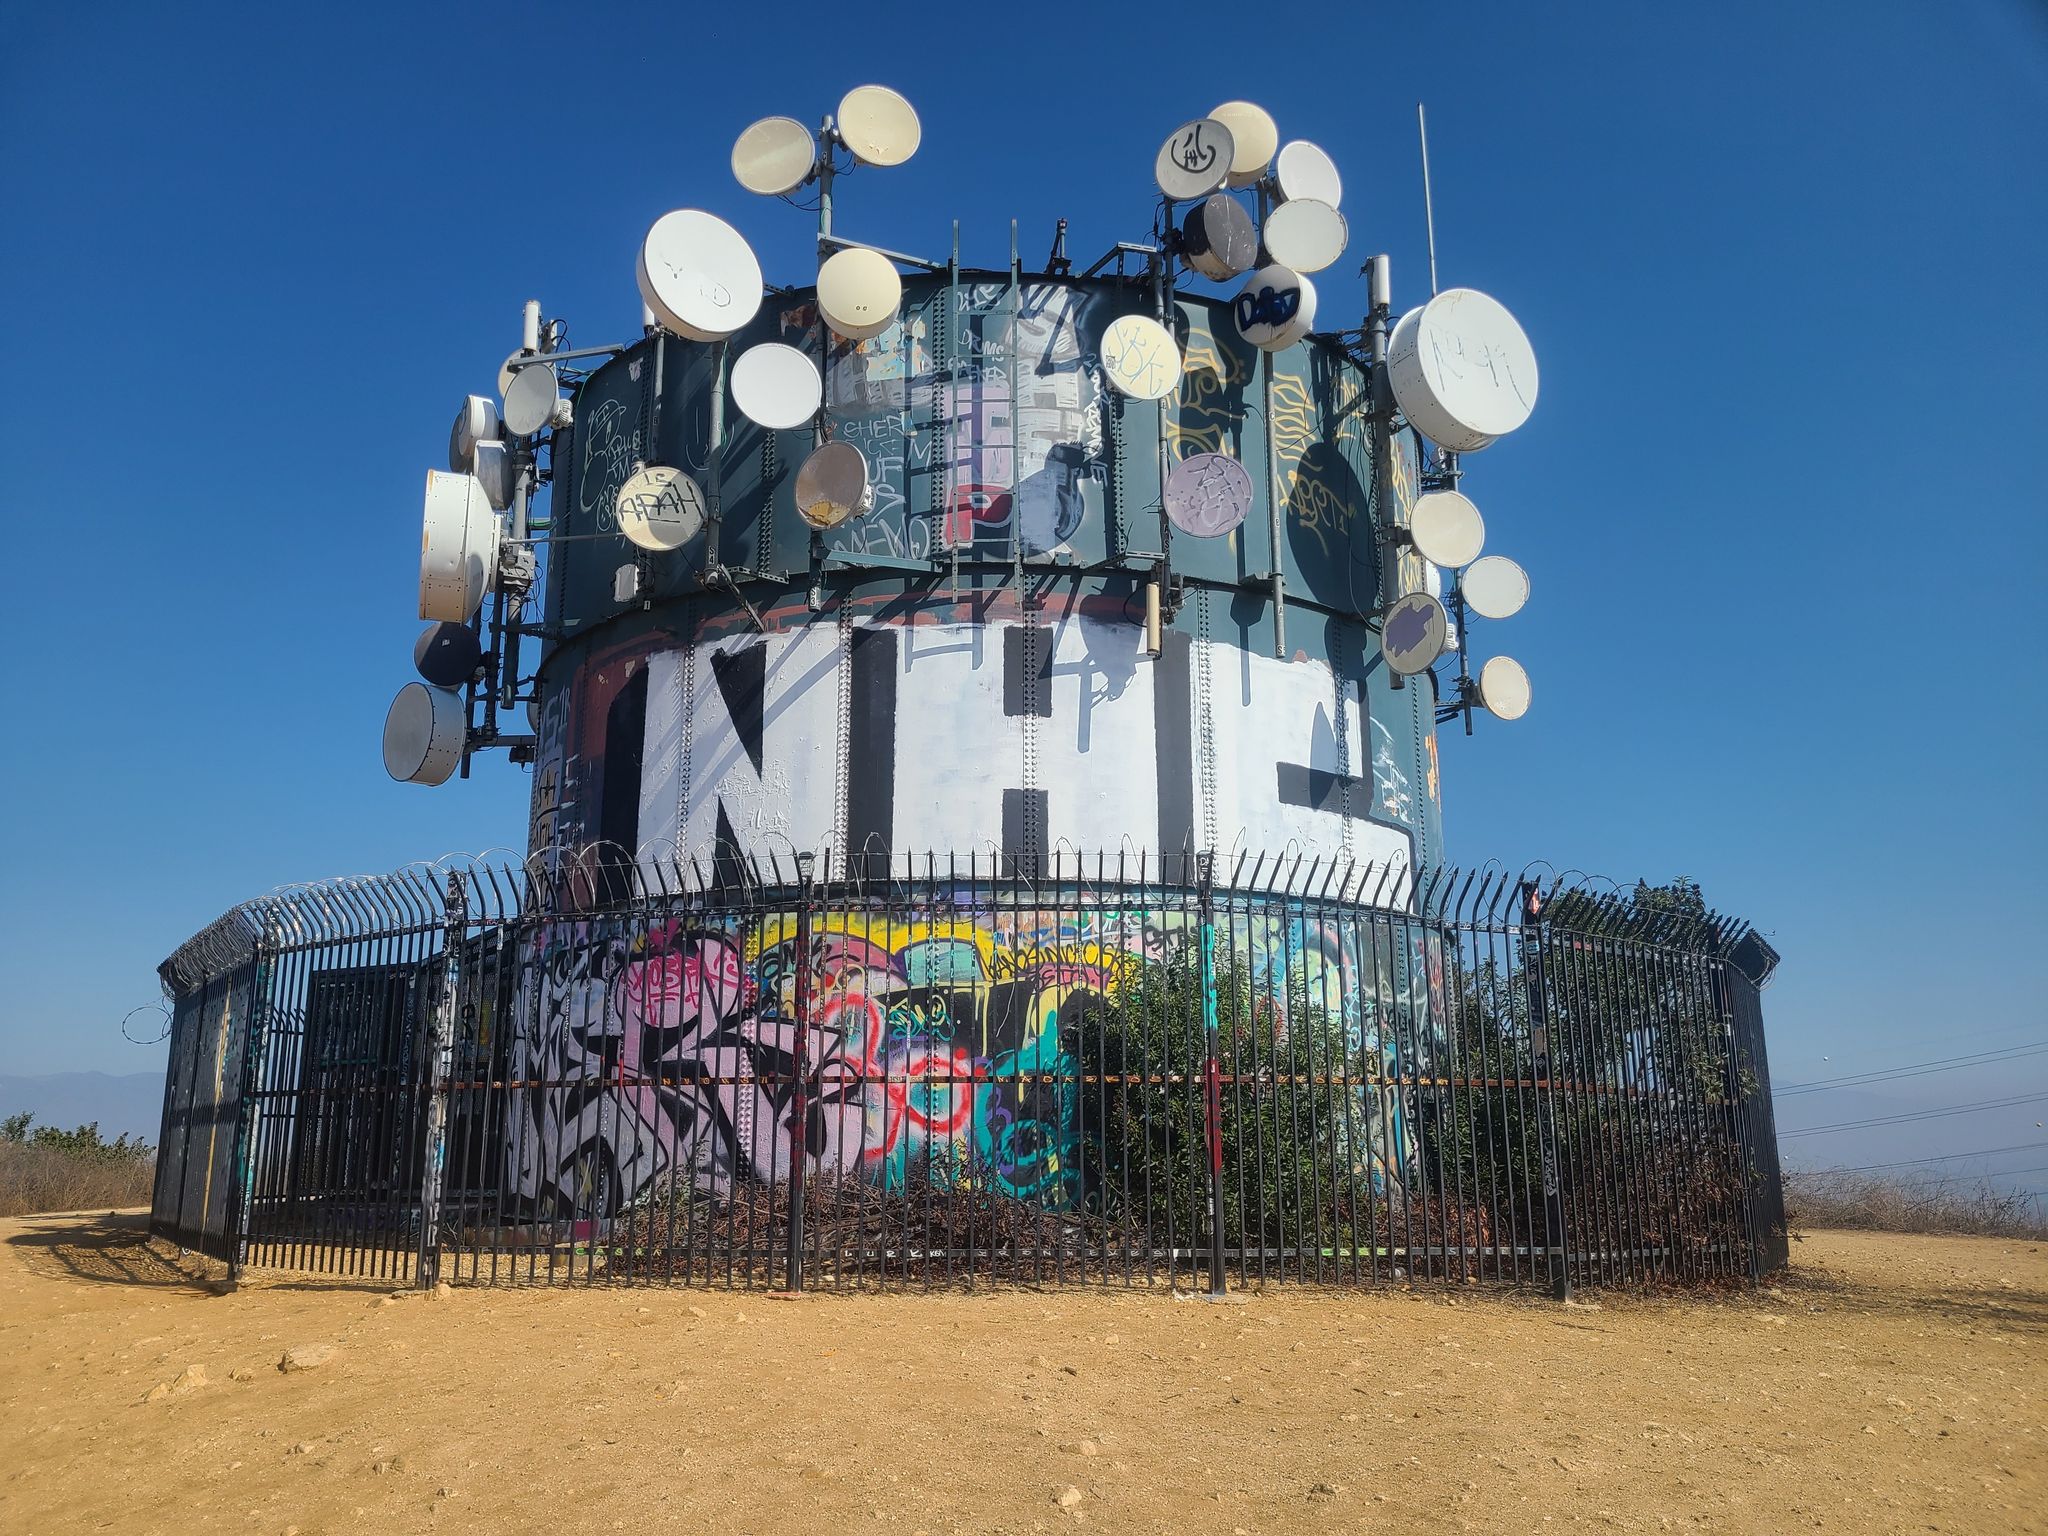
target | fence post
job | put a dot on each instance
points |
(1212, 1067)
(440, 1054)
(799, 1103)
(1539, 1054)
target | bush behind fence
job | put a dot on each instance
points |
(944, 1070)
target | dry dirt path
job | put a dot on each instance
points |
(1890, 1384)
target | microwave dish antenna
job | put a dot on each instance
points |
(878, 125)
(1504, 687)
(497, 471)
(1462, 370)
(832, 485)
(776, 386)
(1140, 357)
(859, 292)
(1304, 171)
(1494, 588)
(1414, 634)
(530, 399)
(1254, 138)
(1275, 308)
(1207, 495)
(1195, 160)
(447, 654)
(425, 731)
(1218, 238)
(1306, 234)
(458, 547)
(1447, 529)
(774, 156)
(659, 508)
(699, 275)
(476, 422)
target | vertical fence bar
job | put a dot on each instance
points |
(440, 1062)
(799, 1104)
(1212, 1069)
(1539, 1052)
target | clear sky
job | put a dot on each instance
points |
(1783, 266)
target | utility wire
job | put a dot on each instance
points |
(1915, 1069)
(1946, 1157)
(1925, 1114)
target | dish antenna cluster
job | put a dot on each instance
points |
(475, 545)
(1239, 207)
(1458, 369)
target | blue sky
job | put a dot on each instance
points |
(1780, 502)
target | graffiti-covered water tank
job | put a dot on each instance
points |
(964, 664)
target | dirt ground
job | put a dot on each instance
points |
(1888, 1384)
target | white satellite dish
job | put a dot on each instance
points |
(476, 422)
(1195, 161)
(497, 471)
(1447, 529)
(1462, 371)
(774, 156)
(659, 508)
(859, 293)
(1303, 170)
(1414, 633)
(878, 125)
(1275, 308)
(458, 547)
(1504, 688)
(1254, 138)
(424, 732)
(508, 370)
(1306, 234)
(1218, 238)
(699, 275)
(776, 386)
(530, 401)
(1141, 357)
(1494, 588)
(832, 485)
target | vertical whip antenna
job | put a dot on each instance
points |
(1428, 206)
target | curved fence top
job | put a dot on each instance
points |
(483, 889)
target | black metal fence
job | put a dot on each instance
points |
(1105, 1069)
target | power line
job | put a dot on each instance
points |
(1925, 1114)
(1915, 1069)
(1946, 1157)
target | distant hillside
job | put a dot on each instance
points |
(130, 1104)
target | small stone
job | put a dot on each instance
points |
(1068, 1497)
(302, 1448)
(1325, 1490)
(443, 1291)
(242, 1373)
(696, 1311)
(157, 1393)
(1071, 1370)
(305, 1357)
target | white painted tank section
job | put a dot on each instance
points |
(1289, 750)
